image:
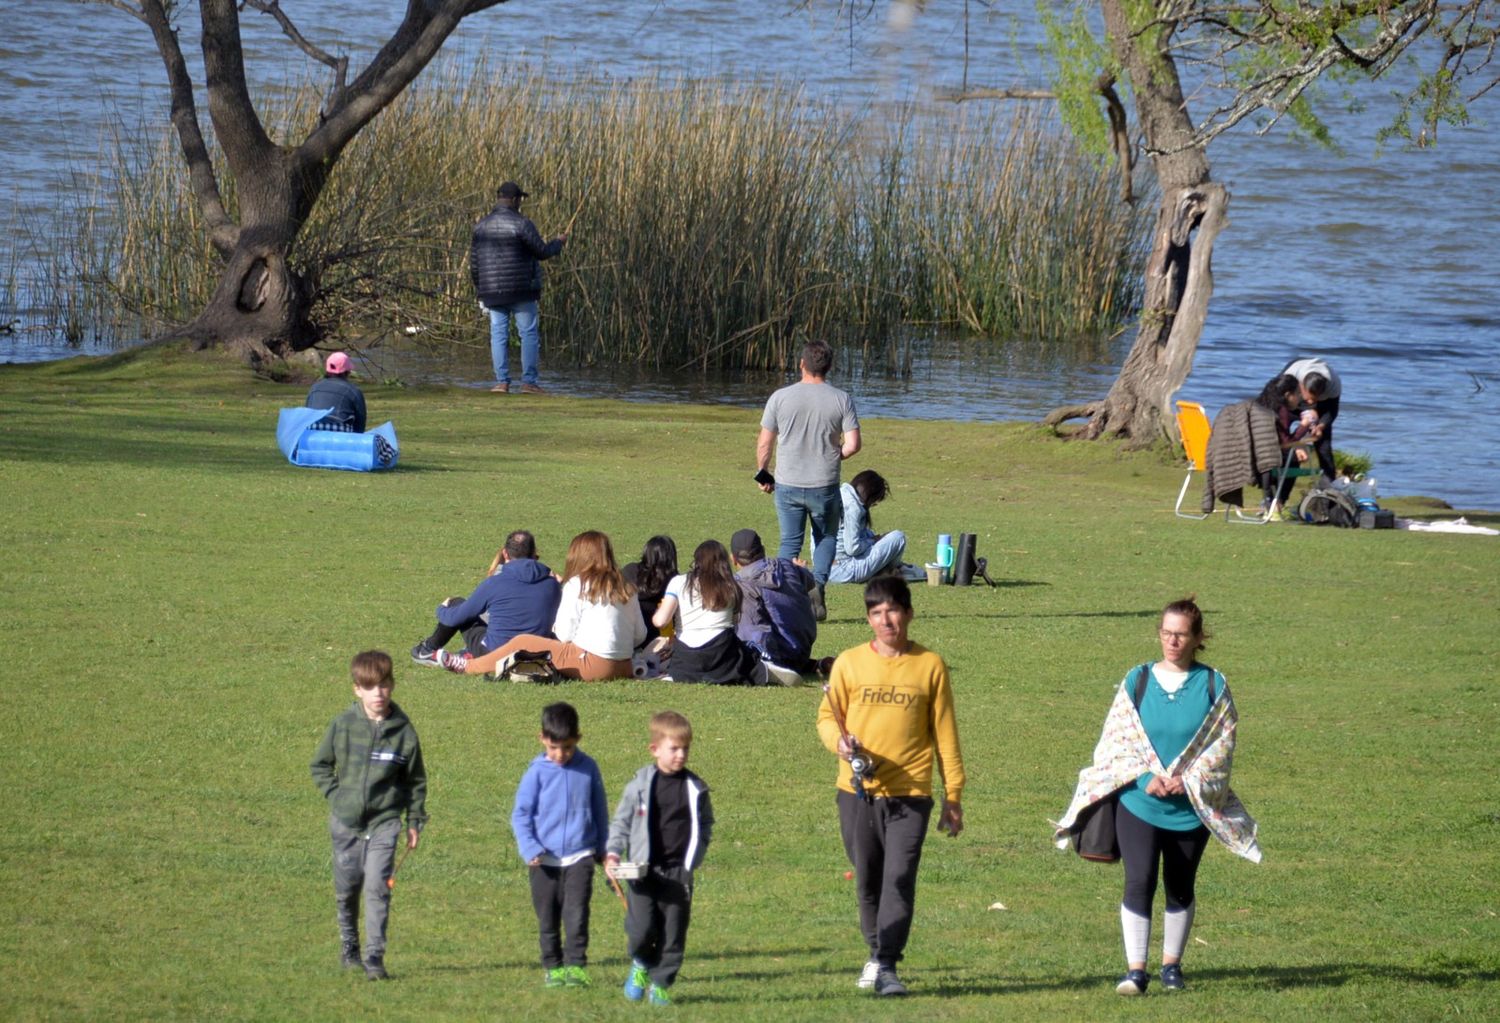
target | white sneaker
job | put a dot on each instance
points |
(779, 675)
(868, 974)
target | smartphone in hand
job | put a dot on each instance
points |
(765, 479)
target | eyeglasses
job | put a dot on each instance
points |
(1181, 637)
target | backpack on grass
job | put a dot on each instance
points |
(1325, 506)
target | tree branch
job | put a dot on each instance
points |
(422, 32)
(236, 123)
(340, 65)
(222, 231)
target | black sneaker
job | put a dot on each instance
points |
(1133, 983)
(1171, 977)
(887, 984)
(349, 955)
(375, 968)
(424, 654)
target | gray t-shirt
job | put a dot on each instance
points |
(809, 421)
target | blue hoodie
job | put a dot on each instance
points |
(521, 599)
(560, 808)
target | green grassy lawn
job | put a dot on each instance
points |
(180, 606)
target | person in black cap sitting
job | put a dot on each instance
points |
(776, 613)
(505, 263)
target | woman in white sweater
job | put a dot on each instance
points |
(598, 623)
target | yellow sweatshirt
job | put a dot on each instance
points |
(901, 711)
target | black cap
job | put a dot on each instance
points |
(745, 545)
(511, 190)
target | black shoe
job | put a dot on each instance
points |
(825, 667)
(424, 654)
(375, 968)
(349, 955)
(819, 608)
(1133, 983)
(1171, 977)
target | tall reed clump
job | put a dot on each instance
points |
(710, 225)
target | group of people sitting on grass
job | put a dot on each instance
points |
(736, 616)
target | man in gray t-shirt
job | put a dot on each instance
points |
(813, 427)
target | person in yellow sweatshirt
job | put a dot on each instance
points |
(888, 713)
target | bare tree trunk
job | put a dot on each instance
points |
(262, 305)
(1179, 276)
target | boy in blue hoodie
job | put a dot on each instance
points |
(561, 820)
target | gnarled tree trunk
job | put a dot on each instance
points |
(1179, 277)
(262, 304)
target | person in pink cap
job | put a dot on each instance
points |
(336, 392)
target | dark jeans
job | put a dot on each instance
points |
(659, 908)
(883, 839)
(474, 631)
(560, 896)
(1328, 411)
(1145, 847)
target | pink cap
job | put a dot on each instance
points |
(337, 364)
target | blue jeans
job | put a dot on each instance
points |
(525, 315)
(883, 553)
(795, 507)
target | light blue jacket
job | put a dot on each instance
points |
(560, 808)
(855, 534)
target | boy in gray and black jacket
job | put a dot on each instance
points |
(369, 766)
(664, 820)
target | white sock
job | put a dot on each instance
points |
(1174, 931)
(1137, 931)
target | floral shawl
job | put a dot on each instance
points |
(1124, 753)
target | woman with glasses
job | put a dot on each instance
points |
(1162, 766)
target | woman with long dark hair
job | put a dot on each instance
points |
(1280, 397)
(1161, 767)
(650, 577)
(598, 622)
(703, 605)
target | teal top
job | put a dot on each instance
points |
(1170, 721)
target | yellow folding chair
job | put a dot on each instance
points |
(1193, 427)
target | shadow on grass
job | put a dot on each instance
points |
(1323, 975)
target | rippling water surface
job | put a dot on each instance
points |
(1385, 266)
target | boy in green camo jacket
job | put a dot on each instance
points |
(369, 766)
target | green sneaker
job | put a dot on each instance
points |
(555, 977)
(658, 996)
(636, 982)
(576, 976)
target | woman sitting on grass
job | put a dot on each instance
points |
(598, 622)
(650, 576)
(1163, 760)
(704, 604)
(861, 554)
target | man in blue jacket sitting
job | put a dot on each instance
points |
(520, 597)
(776, 614)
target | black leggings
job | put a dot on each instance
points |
(1143, 847)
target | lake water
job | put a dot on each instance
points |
(1384, 266)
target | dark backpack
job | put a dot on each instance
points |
(1325, 506)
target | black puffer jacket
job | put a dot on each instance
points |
(505, 258)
